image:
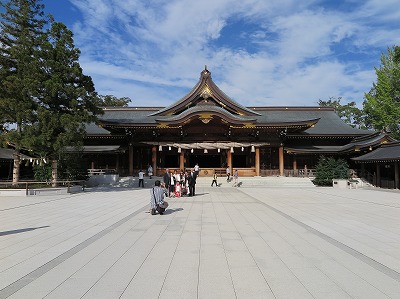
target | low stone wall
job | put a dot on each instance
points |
(40, 191)
(102, 179)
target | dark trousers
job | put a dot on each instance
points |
(192, 190)
(214, 181)
(141, 182)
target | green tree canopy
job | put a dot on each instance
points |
(21, 29)
(66, 98)
(348, 112)
(382, 102)
(45, 99)
(113, 101)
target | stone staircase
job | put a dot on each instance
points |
(243, 182)
(249, 182)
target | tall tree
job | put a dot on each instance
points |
(66, 98)
(348, 112)
(21, 27)
(382, 102)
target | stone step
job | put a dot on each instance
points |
(259, 182)
(289, 182)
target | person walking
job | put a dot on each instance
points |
(214, 180)
(150, 171)
(141, 178)
(228, 174)
(197, 169)
(157, 202)
(235, 178)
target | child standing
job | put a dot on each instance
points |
(214, 180)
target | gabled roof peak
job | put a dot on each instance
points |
(205, 89)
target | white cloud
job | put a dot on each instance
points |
(283, 52)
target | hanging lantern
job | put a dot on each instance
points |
(232, 151)
(179, 150)
(205, 151)
(160, 148)
(242, 148)
(253, 149)
(169, 148)
(219, 150)
(192, 151)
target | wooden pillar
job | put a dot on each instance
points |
(378, 175)
(130, 159)
(229, 156)
(16, 167)
(182, 160)
(257, 161)
(362, 170)
(396, 175)
(54, 173)
(281, 161)
(117, 163)
(294, 165)
(154, 159)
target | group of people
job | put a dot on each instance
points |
(174, 184)
(180, 183)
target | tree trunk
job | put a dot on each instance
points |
(54, 173)
(16, 168)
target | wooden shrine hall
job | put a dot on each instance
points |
(209, 128)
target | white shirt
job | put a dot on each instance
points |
(141, 175)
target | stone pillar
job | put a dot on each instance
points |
(281, 161)
(154, 159)
(182, 160)
(130, 159)
(294, 166)
(378, 175)
(396, 175)
(229, 157)
(257, 161)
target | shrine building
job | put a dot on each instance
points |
(209, 128)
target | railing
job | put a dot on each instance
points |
(288, 172)
(27, 185)
(100, 171)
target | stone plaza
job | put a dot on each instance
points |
(247, 242)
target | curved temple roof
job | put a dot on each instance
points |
(206, 101)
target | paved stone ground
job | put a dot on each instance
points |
(222, 243)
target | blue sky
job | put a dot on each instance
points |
(260, 53)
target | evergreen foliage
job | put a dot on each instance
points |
(72, 167)
(42, 172)
(329, 168)
(382, 103)
(45, 99)
(349, 112)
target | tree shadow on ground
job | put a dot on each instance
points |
(22, 230)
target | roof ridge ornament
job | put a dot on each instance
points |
(206, 92)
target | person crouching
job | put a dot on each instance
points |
(157, 202)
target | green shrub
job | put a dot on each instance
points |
(328, 168)
(42, 172)
(72, 167)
